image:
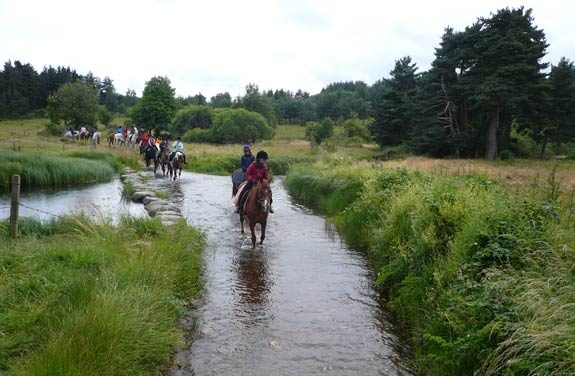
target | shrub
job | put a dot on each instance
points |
(192, 117)
(355, 128)
(55, 129)
(318, 132)
(239, 126)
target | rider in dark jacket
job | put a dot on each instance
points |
(247, 159)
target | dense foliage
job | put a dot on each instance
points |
(25, 92)
(232, 126)
(191, 117)
(481, 277)
(158, 105)
(75, 104)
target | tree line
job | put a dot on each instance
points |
(488, 93)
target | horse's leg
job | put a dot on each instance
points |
(253, 231)
(242, 222)
(263, 228)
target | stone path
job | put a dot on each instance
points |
(169, 212)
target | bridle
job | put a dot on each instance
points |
(263, 198)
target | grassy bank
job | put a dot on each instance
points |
(481, 275)
(47, 170)
(78, 298)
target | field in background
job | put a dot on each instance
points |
(289, 146)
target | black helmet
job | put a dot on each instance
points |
(262, 155)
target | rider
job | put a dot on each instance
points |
(178, 146)
(256, 172)
(164, 145)
(247, 159)
(119, 129)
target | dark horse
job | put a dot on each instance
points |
(237, 178)
(150, 155)
(257, 208)
(176, 165)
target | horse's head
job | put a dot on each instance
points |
(264, 194)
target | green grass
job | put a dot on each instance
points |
(481, 276)
(78, 298)
(46, 170)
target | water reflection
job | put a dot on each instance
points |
(253, 283)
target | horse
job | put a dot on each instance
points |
(238, 177)
(163, 159)
(111, 139)
(120, 139)
(176, 164)
(133, 138)
(74, 134)
(150, 154)
(257, 207)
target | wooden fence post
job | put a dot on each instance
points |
(15, 206)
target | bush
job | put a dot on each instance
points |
(55, 129)
(318, 132)
(197, 135)
(239, 126)
(192, 117)
(355, 128)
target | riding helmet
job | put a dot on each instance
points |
(247, 148)
(262, 155)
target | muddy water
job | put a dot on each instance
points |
(98, 201)
(301, 304)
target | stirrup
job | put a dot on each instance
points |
(271, 209)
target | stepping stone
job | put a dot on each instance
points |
(140, 195)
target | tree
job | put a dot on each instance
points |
(561, 125)
(221, 100)
(75, 104)
(192, 117)
(236, 126)
(394, 113)
(507, 74)
(318, 132)
(255, 102)
(157, 107)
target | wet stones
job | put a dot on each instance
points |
(167, 211)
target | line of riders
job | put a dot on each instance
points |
(252, 170)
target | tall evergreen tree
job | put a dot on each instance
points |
(394, 113)
(507, 75)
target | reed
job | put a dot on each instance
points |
(46, 170)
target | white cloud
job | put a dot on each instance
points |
(215, 46)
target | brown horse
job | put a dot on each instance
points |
(257, 208)
(176, 164)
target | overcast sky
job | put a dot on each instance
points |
(212, 46)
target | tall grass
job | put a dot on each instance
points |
(46, 170)
(482, 277)
(78, 298)
(225, 165)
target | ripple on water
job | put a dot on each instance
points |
(303, 303)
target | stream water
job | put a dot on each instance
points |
(99, 200)
(303, 303)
